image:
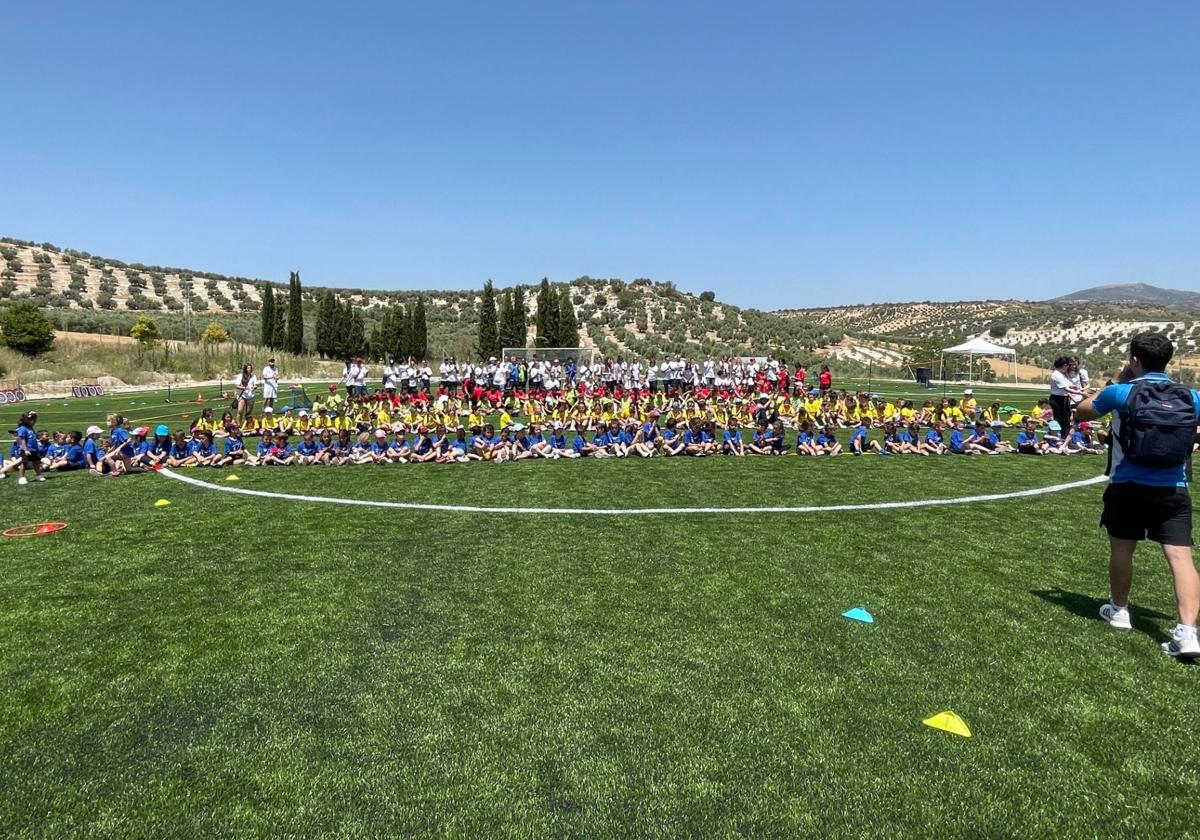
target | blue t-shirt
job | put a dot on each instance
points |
(91, 451)
(860, 433)
(1026, 439)
(74, 455)
(731, 436)
(804, 438)
(1113, 400)
(120, 441)
(649, 432)
(957, 441)
(307, 448)
(558, 441)
(826, 440)
(26, 435)
(578, 443)
(933, 436)
(233, 445)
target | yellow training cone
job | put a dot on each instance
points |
(949, 722)
(161, 503)
(231, 478)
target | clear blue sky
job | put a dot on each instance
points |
(780, 155)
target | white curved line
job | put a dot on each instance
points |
(916, 503)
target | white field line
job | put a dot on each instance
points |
(916, 503)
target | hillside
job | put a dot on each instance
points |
(1136, 293)
(1038, 330)
(88, 293)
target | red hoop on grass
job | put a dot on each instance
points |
(39, 530)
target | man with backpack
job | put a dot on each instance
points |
(1154, 423)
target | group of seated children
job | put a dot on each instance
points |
(120, 451)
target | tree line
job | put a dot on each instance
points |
(506, 324)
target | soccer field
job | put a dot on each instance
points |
(231, 664)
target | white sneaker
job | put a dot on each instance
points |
(22, 481)
(1181, 646)
(1117, 617)
(41, 478)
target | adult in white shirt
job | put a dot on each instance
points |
(270, 383)
(1063, 392)
(390, 376)
(360, 378)
(245, 386)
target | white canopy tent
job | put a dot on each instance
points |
(979, 346)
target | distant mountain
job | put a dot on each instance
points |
(1134, 293)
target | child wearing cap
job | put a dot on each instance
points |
(379, 447)
(559, 446)
(1052, 440)
(160, 446)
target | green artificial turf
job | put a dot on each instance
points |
(259, 667)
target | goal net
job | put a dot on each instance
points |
(549, 354)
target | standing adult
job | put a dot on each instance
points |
(246, 385)
(1154, 421)
(1063, 391)
(270, 383)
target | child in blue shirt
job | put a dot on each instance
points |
(1027, 440)
(827, 442)
(935, 442)
(859, 442)
(731, 440)
(235, 448)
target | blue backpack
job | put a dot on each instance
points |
(1158, 426)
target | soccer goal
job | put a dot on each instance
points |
(549, 354)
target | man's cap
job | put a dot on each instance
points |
(1085, 426)
(161, 429)
(380, 433)
(141, 430)
(969, 391)
(1054, 426)
(304, 412)
(268, 410)
(93, 430)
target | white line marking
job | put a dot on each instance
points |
(916, 503)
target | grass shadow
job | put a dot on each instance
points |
(1144, 620)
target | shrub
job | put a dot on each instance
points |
(214, 333)
(708, 296)
(25, 329)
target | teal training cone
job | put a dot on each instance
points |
(859, 614)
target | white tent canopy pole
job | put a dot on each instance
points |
(980, 346)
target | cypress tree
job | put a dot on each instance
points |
(547, 316)
(568, 327)
(356, 345)
(326, 313)
(489, 338)
(267, 326)
(506, 336)
(419, 339)
(279, 330)
(295, 316)
(520, 321)
(345, 330)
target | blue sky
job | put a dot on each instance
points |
(779, 155)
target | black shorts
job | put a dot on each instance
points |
(1139, 512)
